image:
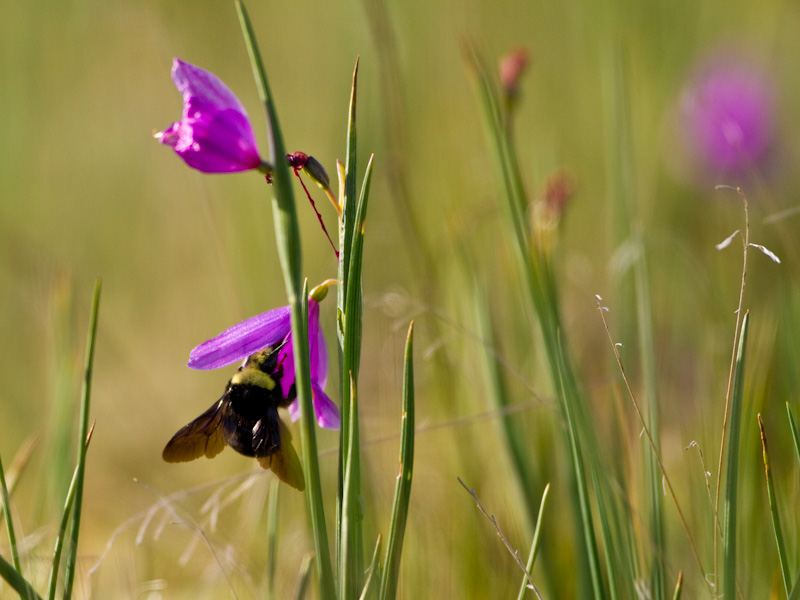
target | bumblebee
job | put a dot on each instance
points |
(245, 418)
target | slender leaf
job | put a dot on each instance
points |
(347, 354)
(535, 544)
(17, 581)
(732, 481)
(349, 566)
(12, 537)
(304, 579)
(793, 428)
(272, 536)
(773, 509)
(402, 491)
(374, 572)
(83, 443)
(678, 587)
(65, 515)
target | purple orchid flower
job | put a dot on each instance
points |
(727, 114)
(268, 329)
(214, 134)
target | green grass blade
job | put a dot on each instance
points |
(17, 581)
(83, 442)
(272, 537)
(773, 509)
(12, 536)
(53, 581)
(539, 283)
(587, 521)
(678, 587)
(351, 558)
(287, 234)
(795, 595)
(402, 492)
(349, 566)
(535, 544)
(732, 479)
(374, 572)
(304, 579)
(793, 428)
(346, 230)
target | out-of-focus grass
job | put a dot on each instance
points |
(86, 191)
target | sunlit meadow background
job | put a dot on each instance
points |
(87, 192)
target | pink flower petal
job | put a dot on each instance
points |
(242, 340)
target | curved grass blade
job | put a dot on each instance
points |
(374, 567)
(305, 577)
(83, 443)
(12, 537)
(678, 587)
(535, 544)
(773, 509)
(17, 581)
(732, 481)
(793, 427)
(51, 586)
(402, 491)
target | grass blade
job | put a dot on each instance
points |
(348, 201)
(349, 565)
(793, 427)
(374, 567)
(773, 509)
(402, 492)
(12, 537)
(535, 544)
(17, 581)
(53, 581)
(537, 277)
(732, 479)
(304, 579)
(678, 587)
(272, 537)
(83, 443)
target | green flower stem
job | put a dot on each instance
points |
(83, 444)
(288, 238)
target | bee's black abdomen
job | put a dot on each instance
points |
(250, 422)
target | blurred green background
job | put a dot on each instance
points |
(87, 192)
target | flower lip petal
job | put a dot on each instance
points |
(243, 339)
(327, 412)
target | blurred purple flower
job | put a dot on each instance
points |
(726, 115)
(268, 329)
(214, 134)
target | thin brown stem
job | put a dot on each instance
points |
(652, 443)
(745, 245)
